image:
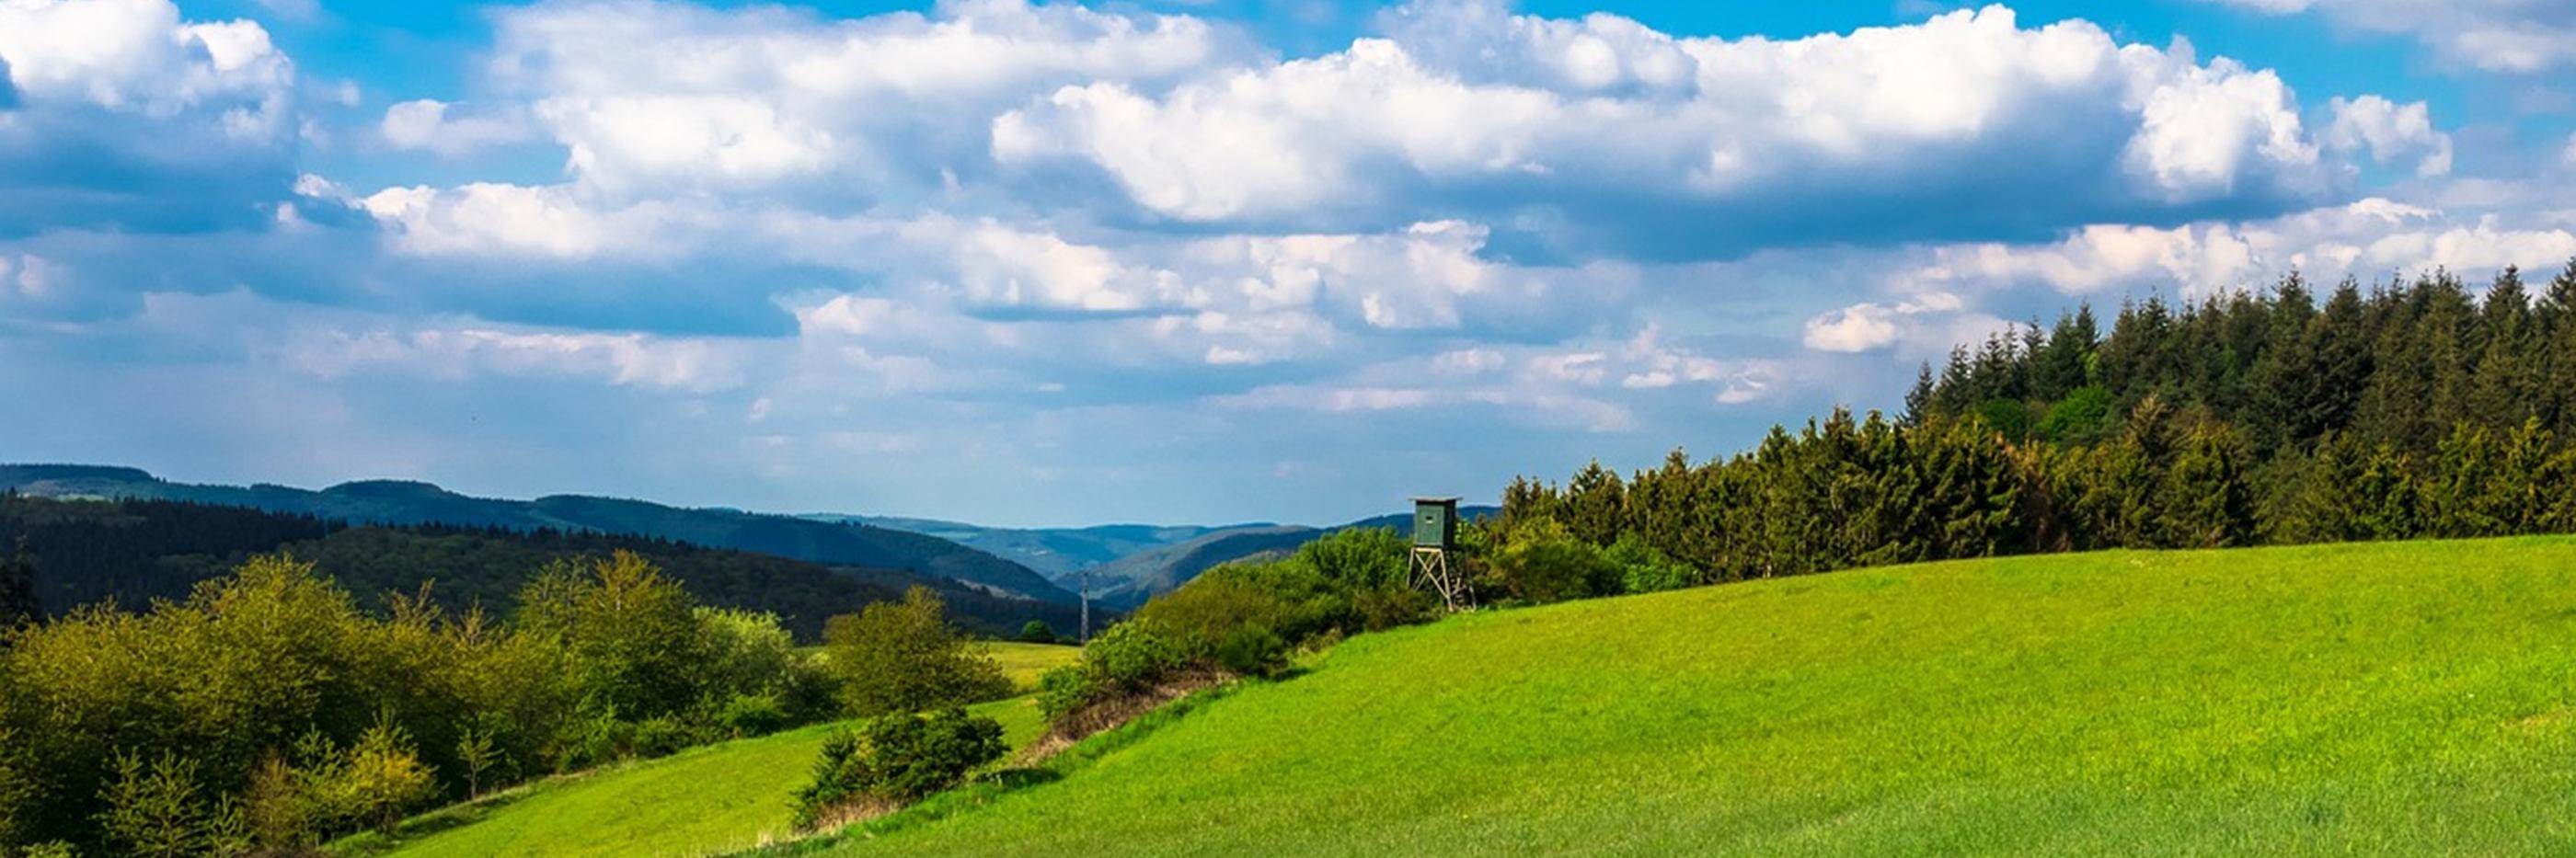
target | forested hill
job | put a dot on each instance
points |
(2415, 410)
(135, 551)
(405, 503)
(2397, 366)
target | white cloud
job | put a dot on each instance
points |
(685, 365)
(426, 124)
(1466, 101)
(483, 219)
(2523, 36)
(129, 117)
(2391, 132)
(138, 55)
(648, 95)
(1857, 328)
(2368, 239)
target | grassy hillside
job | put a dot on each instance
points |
(704, 801)
(2416, 697)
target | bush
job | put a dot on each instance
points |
(748, 715)
(1037, 631)
(898, 759)
(906, 657)
(1065, 689)
(661, 736)
(1251, 650)
(1131, 655)
(1541, 562)
(1642, 569)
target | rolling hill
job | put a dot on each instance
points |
(2350, 699)
(1053, 552)
(135, 551)
(401, 502)
(698, 802)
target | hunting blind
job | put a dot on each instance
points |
(1435, 534)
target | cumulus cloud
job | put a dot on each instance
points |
(484, 219)
(657, 95)
(127, 116)
(426, 124)
(2390, 132)
(2523, 36)
(1464, 106)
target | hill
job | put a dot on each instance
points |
(1127, 582)
(1053, 552)
(703, 801)
(136, 551)
(401, 502)
(2370, 698)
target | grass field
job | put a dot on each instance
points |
(1022, 662)
(708, 800)
(2401, 698)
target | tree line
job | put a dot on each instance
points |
(134, 551)
(2405, 411)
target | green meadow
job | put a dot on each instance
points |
(704, 801)
(2351, 699)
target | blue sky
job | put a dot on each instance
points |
(1168, 261)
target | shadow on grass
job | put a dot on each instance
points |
(430, 824)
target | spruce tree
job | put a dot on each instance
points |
(18, 600)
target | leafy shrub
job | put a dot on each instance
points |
(898, 758)
(747, 715)
(1130, 655)
(1642, 569)
(1251, 650)
(907, 658)
(1037, 631)
(1063, 689)
(661, 736)
(1541, 562)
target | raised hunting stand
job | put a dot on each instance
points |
(1435, 537)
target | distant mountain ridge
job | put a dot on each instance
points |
(403, 502)
(1053, 551)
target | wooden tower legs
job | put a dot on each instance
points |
(1433, 567)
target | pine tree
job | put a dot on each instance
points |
(18, 600)
(1595, 502)
(2061, 363)
(1918, 399)
(2208, 501)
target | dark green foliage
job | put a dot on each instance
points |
(135, 551)
(2401, 413)
(907, 657)
(1037, 631)
(1642, 569)
(897, 759)
(18, 602)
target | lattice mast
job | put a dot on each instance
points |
(1435, 541)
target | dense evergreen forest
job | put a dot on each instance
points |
(2416, 409)
(138, 551)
